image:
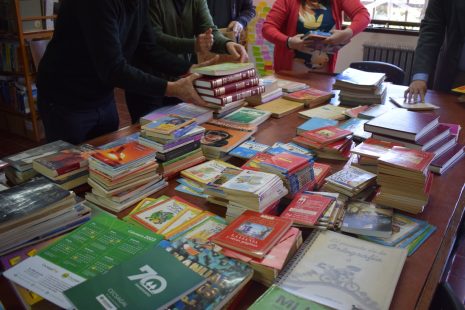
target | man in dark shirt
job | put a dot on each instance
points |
(232, 14)
(89, 55)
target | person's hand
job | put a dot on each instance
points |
(296, 43)
(235, 27)
(184, 90)
(204, 41)
(339, 37)
(416, 88)
(237, 51)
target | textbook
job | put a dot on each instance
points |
(327, 111)
(311, 97)
(414, 106)
(248, 149)
(343, 272)
(214, 82)
(222, 139)
(152, 279)
(247, 116)
(326, 135)
(227, 68)
(315, 123)
(207, 171)
(305, 209)
(92, 249)
(280, 107)
(368, 219)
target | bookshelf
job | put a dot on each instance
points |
(26, 25)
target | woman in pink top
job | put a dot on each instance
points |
(288, 20)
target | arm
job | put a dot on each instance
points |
(247, 12)
(204, 21)
(275, 21)
(357, 13)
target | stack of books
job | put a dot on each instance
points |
(349, 181)
(404, 179)
(320, 172)
(67, 168)
(183, 109)
(35, 211)
(328, 142)
(291, 86)
(206, 172)
(253, 236)
(213, 189)
(272, 91)
(122, 176)
(311, 97)
(366, 154)
(19, 169)
(332, 217)
(246, 117)
(225, 86)
(360, 87)
(281, 107)
(176, 140)
(248, 149)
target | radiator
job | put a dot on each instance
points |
(400, 56)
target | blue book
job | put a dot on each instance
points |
(292, 148)
(188, 190)
(248, 149)
(356, 125)
(315, 123)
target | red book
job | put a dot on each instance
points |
(214, 82)
(241, 94)
(320, 172)
(124, 154)
(374, 148)
(306, 209)
(253, 233)
(228, 88)
(326, 135)
(403, 124)
(409, 159)
(60, 163)
(311, 97)
(254, 162)
(446, 160)
(284, 163)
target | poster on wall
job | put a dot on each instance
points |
(260, 50)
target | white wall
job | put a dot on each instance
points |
(354, 50)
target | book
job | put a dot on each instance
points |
(460, 89)
(120, 156)
(248, 149)
(92, 249)
(168, 124)
(280, 107)
(326, 135)
(447, 160)
(358, 79)
(311, 97)
(305, 209)
(247, 116)
(183, 109)
(284, 163)
(207, 171)
(315, 123)
(235, 96)
(228, 88)
(375, 111)
(327, 111)
(222, 69)
(408, 159)
(253, 233)
(120, 141)
(221, 138)
(352, 179)
(401, 102)
(200, 228)
(374, 148)
(152, 279)
(365, 218)
(330, 267)
(291, 86)
(356, 126)
(354, 112)
(403, 124)
(63, 162)
(214, 82)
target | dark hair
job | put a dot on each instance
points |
(225, 136)
(324, 2)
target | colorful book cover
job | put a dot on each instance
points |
(253, 233)
(253, 163)
(203, 230)
(354, 112)
(188, 190)
(214, 188)
(327, 111)
(206, 172)
(367, 219)
(221, 138)
(279, 147)
(285, 162)
(306, 209)
(248, 149)
(168, 124)
(196, 186)
(63, 162)
(145, 203)
(180, 218)
(309, 96)
(355, 125)
(320, 171)
(91, 250)
(414, 160)
(124, 154)
(281, 107)
(120, 141)
(374, 148)
(158, 216)
(246, 116)
(326, 134)
(249, 181)
(460, 89)
(177, 231)
(225, 277)
(351, 178)
(413, 242)
(315, 123)
(153, 279)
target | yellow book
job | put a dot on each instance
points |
(280, 107)
(189, 224)
(180, 218)
(206, 172)
(327, 111)
(145, 203)
(460, 89)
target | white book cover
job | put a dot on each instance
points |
(250, 181)
(351, 178)
(343, 272)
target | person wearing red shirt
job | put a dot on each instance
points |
(288, 20)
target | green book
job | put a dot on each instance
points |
(151, 280)
(275, 298)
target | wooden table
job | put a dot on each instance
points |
(423, 270)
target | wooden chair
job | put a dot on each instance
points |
(393, 73)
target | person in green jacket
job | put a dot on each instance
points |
(183, 27)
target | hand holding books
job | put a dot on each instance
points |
(204, 41)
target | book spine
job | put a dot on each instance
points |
(242, 94)
(232, 78)
(234, 87)
(179, 151)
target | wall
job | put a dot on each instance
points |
(354, 50)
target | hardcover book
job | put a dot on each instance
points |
(311, 97)
(365, 218)
(306, 209)
(226, 68)
(228, 88)
(214, 82)
(235, 96)
(343, 272)
(448, 159)
(153, 279)
(253, 233)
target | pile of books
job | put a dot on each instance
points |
(311, 97)
(225, 86)
(176, 140)
(360, 87)
(365, 155)
(350, 181)
(35, 211)
(245, 117)
(272, 91)
(122, 176)
(328, 142)
(404, 179)
(183, 109)
(19, 169)
(67, 168)
(264, 242)
(206, 172)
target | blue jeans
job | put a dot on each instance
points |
(62, 122)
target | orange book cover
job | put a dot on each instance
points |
(253, 233)
(253, 163)
(124, 154)
(223, 138)
(410, 159)
(326, 135)
(374, 148)
(309, 95)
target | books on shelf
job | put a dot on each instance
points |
(280, 107)
(368, 219)
(311, 97)
(222, 69)
(315, 272)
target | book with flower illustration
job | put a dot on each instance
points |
(343, 272)
(253, 233)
